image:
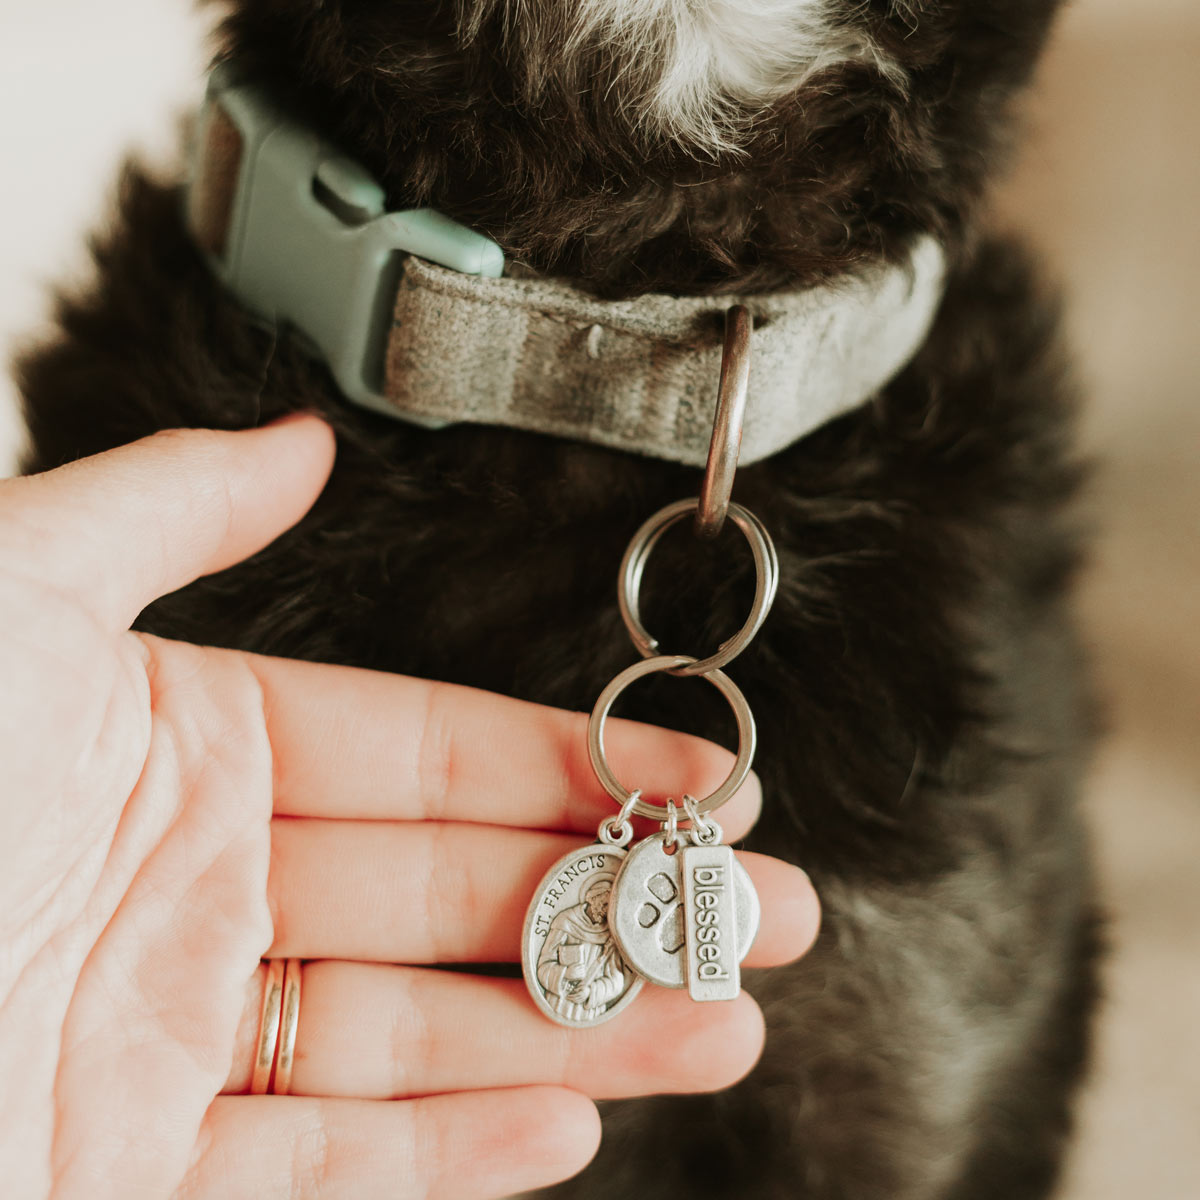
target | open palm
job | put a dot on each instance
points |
(169, 814)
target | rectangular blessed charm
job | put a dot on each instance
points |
(710, 930)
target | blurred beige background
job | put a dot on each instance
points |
(1108, 188)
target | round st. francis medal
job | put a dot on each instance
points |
(572, 966)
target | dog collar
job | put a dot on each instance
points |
(414, 318)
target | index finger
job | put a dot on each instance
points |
(358, 744)
(119, 529)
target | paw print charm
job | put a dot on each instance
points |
(648, 916)
(661, 912)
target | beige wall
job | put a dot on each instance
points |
(1109, 189)
(80, 82)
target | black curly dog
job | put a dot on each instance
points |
(923, 715)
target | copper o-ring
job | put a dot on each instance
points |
(726, 443)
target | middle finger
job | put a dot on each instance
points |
(379, 1032)
(358, 744)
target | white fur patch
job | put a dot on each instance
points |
(698, 70)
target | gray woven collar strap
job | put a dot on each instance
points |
(300, 234)
(641, 375)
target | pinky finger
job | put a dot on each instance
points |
(469, 1146)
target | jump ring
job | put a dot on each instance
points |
(671, 827)
(747, 736)
(629, 805)
(766, 566)
(726, 443)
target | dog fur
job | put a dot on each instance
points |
(923, 714)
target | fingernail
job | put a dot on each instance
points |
(292, 418)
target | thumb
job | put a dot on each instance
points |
(122, 528)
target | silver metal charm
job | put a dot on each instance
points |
(648, 914)
(710, 911)
(573, 968)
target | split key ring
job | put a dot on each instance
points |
(766, 566)
(630, 800)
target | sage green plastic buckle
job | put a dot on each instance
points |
(310, 245)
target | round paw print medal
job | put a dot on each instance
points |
(685, 914)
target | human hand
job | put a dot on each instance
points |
(170, 814)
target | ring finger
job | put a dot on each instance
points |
(377, 1032)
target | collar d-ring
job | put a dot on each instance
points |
(726, 443)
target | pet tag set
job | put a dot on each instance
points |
(677, 909)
